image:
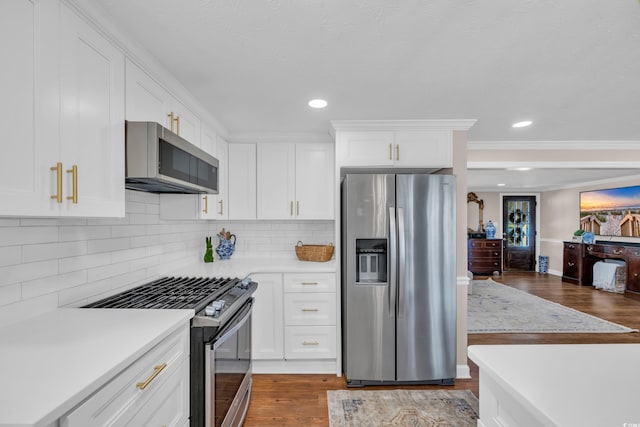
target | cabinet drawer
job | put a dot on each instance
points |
(121, 398)
(310, 309)
(484, 265)
(486, 253)
(317, 282)
(310, 342)
(605, 251)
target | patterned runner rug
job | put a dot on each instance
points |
(410, 408)
(496, 308)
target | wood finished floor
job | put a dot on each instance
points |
(301, 400)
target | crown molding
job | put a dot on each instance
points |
(553, 145)
(271, 137)
(380, 125)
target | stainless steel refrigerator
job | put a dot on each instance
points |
(398, 278)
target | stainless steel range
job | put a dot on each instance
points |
(220, 371)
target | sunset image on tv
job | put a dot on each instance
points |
(611, 212)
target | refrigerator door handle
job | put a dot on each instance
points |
(393, 247)
(401, 262)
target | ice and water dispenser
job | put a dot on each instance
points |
(371, 261)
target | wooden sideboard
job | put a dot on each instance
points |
(484, 255)
(578, 260)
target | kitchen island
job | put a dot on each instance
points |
(585, 385)
(51, 363)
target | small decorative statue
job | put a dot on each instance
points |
(208, 255)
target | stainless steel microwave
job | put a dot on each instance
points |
(160, 161)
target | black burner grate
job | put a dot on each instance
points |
(170, 292)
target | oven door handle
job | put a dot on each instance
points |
(233, 327)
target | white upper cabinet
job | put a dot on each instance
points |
(242, 181)
(315, 181)
(91, 120)
(295, 181)
(222, 199)
(24, 165)
(64, 88)
(276, 181)
(373, 148)
(402, 148)
(423, 149)
(146, 100)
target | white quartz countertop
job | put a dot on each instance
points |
(567, 385)
(52, 362)
(242, 267)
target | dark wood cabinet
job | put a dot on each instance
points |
(484, 255)
(572, 263)
(579, 258)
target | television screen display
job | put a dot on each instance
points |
(611, 212)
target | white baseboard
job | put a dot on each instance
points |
(293, 366)
(463, 372)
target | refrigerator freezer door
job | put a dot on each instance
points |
(368, 315)
(426, 317)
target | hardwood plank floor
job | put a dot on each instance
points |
(301, 400)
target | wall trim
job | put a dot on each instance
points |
(554, 145)
(463, 372)
(374, 125)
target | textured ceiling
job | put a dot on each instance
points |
(572, 66)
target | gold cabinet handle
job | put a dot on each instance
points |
(58, 169)
(221, 208)
(156, 372)
(74, 184)
(206, 204)
(571, 264)
(390, 151)
(310, 309)
(174, 119)
(291, 208)
(618, 252)
(397, 151)
(309, 283)
(297, 208)
(310, 343)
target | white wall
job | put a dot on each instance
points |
(48, 263)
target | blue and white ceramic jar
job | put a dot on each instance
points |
(226, 247)
(490, 229)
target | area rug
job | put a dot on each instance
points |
(442, 408)
(496, 308)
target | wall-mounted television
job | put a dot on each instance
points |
(611, 211)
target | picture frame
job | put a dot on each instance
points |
(577, 239)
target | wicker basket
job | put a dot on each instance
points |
(321, 253)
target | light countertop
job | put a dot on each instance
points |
(567, 385)
(245, 266)
(50, 363)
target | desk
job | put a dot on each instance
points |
(585, 385)
(578, 260)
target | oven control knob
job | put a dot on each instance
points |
(245, 282)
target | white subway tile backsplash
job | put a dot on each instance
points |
(10, 255)
(24, 272)
(108, 245)
(84, 262)
(44, 251)
(11, 236)
(53, 262)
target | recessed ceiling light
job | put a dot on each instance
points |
(522, 124)
(501, 185)
(317, 103)
(519, 169)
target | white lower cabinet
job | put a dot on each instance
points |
(310, 342)
(266, 323)
(154, 390)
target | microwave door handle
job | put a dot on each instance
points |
(401, 261)
(392, 261)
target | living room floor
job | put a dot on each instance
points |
(301, 400)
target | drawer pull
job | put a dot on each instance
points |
(310, 309)
(618, 252)
(571, 264)
(156, 372)
(310, 343)
(496, 253)
(309, 283)
(590, 248)
(572, 246)
(635, 274)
